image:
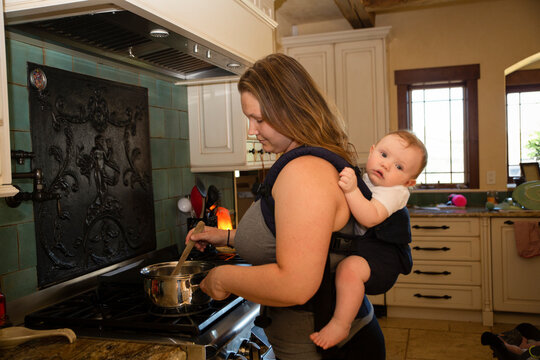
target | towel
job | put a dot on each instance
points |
(527, 234)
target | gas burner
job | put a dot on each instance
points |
(187, 310)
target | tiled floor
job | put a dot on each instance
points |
(414, 339)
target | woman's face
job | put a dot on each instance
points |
(272, 141)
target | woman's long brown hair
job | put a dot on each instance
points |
(293, 105)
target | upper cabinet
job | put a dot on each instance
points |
(350, 67)
(218, 139)
(5, 158)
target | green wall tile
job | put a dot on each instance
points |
(179, 97)
(18, 54)
(161, 151)
(9, 256)
(163, 239)
(150, 83)
(58, 60)
(85, 66)
(172, 124)
(170, 211)
(184, 125)
(188, 181)
(22, 140)
(181, 153)
(27, 245)
(19, 283)
(19, 118)
(158, 215)
(175, 182)
(164, 97)
(160, 183)
(157, 122)
(116, 74)
(22, 213)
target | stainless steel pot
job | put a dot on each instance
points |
(179, 291)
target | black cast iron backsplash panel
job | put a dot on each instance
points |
(90, 137)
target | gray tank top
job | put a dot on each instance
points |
(290, 328)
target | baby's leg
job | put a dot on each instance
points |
(351, 274)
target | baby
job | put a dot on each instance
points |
(393, 165)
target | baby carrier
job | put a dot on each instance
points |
(395, 229)
(497, 343)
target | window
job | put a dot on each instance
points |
(522, 119)
(440, 106)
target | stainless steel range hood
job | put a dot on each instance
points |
(127, 38)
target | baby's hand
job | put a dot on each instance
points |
(347, 180)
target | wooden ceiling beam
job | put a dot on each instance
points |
(355, 13)
(374, 6)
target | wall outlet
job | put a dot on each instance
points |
(490, 177)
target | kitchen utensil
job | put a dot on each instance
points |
(196, 201)
(200, 187)
(13, 336)
(179, 291)
(199, 228)
(212, 197)
(184, 205)
(528, 195)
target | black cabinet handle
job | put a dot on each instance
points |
(443, 227)
(509, 222)
(445, 297)
(444, 248)
(432, 272)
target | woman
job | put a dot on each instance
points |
(285, 111)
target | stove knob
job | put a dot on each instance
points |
(250, 350)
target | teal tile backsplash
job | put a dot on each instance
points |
(169, 148)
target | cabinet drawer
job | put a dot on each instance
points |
(434, 296)
(445, 226)
(437, 272)
(451, 248)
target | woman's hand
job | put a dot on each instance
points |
(212, 285)
(210, 235)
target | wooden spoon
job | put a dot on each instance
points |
(199, 228)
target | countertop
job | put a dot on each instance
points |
(425, 211)
(59, 348)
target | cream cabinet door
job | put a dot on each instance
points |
(217, 131)
(515, 279)
(5, 153)
(361, 92)
(319, 63)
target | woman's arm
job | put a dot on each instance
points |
(309, 206)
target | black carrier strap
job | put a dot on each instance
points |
(265, 190)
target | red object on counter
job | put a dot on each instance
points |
(3, 314)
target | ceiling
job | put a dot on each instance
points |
(359, 13)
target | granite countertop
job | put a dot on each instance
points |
(426, 211)
(59, 348)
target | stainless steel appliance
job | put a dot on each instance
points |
(117, 309)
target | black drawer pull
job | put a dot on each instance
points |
(509, 222)
(444, 227)
(446, 297)
(444, 248)
(432, 272)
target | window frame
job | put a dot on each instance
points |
(467, 75)
(519, 81)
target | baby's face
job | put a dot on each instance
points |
(392, 162)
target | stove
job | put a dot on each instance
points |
(116, 308)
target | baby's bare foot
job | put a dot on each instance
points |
(331, 334)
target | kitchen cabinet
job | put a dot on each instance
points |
(218, 139)
(449, 267)
(350, 68)
(222, 23)
(515, 279)
(6, 189)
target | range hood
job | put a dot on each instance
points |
(127, 38)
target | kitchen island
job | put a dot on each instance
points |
(60, 349)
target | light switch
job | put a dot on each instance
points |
(490, 177)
